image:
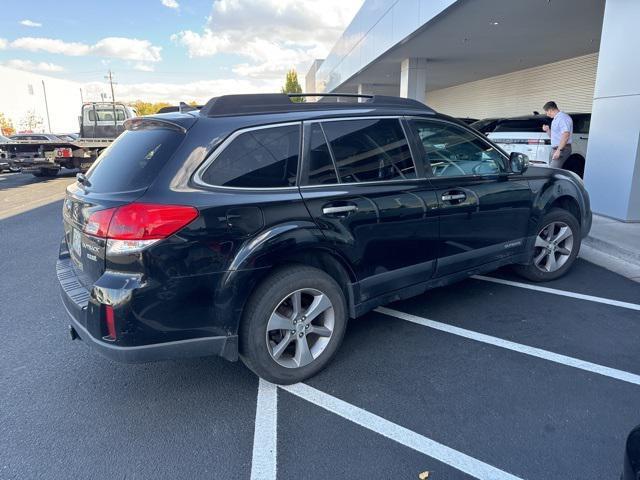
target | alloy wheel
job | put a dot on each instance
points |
(300, 328)
(553, 247)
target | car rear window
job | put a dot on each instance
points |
(133, 161)
(525, 125)
(106, 115)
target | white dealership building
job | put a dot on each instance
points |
(497, 58)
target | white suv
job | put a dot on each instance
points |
(525, 135)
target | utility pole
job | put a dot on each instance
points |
(111, 83)
(113, 100)
(46, 105)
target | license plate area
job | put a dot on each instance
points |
(76, 246)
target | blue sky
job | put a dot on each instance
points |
(159, 47)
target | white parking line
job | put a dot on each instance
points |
(399, 434)
(564, 293)
(265, 435)
(516, 347)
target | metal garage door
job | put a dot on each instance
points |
(569, 82)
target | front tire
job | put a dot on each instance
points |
(556, 247)
(293, 324)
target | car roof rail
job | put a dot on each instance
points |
(245, 104)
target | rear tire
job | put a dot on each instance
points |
(556, 247)
(293, 307)
(575, 164)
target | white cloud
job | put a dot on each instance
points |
(3, 44)
(33, 66)
(127, 49)
(171, 4)
(200, 91)
(143, 67)
(30, 23)
(112, 47)
(273, 35)
(50, 45)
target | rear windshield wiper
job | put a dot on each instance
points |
(82, 179)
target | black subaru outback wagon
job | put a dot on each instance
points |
(256, 226)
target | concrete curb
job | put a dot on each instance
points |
(613, 249)
(607, 258)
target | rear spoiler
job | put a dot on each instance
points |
(146, 123)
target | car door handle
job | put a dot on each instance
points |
(584, 138)
(339, 209)
(449, 197)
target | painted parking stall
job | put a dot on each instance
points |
(507, 407)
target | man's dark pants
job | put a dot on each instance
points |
(564, 154)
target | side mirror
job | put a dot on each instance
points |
(518, 162)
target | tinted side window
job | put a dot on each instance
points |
(321, 168)
(581, 123)
(370, 150)
(262, 158)
(454, 151)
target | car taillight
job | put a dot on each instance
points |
(110, 321)
(538, 141)
(64, 153)
(98, 223)
(132, 227)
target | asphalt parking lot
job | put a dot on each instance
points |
(489, 378)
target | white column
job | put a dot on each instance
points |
(365, 89)
(612, 173)
(413, 79)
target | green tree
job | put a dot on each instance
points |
(147, 108)
(291, 85)
(6, 126)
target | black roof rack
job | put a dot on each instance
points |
(245, 104)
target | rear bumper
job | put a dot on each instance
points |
(82, 313)
(226, 347)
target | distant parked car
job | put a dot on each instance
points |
(486, 125)
(35, 136)
(68, 136)
(525, 135)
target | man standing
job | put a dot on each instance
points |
(561, 133)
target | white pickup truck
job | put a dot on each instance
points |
(44, 155)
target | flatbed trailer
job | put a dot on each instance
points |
(100, 124)
(46, 158)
